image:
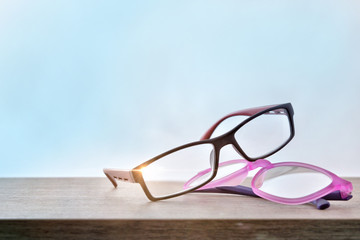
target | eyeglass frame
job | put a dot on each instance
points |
(339, 189)
(135, 175)
(337, 184)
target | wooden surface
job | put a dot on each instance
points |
(83, 207)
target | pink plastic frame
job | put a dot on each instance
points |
(337, 184)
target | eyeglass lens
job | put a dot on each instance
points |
(169, 174)
(264, 134)
(291, 181)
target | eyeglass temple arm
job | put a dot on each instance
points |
(243, 190)
(117, 174)
(320, 203)
(245, 112)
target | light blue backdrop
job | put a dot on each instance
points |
(92, 84)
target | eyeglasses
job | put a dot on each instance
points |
(265, 131)
(287, 182)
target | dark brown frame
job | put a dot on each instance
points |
(218, 143)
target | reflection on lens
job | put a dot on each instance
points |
(169, 174)
(291, 181)
(264, 134)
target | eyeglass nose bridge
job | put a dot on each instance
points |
(258, 163)
(218, 145)
(223, 141)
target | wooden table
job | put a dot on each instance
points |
(90, 208)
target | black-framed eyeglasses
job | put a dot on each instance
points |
(265, 131)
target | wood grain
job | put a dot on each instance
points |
(180, 229)
(51, 208)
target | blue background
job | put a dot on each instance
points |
(91, 84)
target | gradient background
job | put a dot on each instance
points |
(91, 84)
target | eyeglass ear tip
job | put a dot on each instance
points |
(324, 206)
(112, 180)
(348, 197)
(321, 204)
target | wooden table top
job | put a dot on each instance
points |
(90, 208)
(96, 198)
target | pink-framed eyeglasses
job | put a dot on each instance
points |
(289, 183)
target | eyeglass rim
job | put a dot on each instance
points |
(290, 115)
(251, 112)
(218, 143)
(337, 183)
